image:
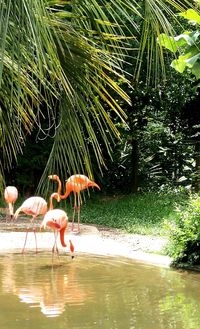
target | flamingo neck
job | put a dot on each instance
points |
(67, 191)
(59, 185)
(53, 196)
(10, 206)
(51, 203)
(62, 236)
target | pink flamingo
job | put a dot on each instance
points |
(57, 220)
(75, 184)
(34, 206)
(10, 196)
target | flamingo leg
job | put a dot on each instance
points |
(8, 213)
(12, 215)
(7, 216)
(55, 248)
(79, 210)
(34, 231)
(29, 230)
(25, 240)
(72, 228)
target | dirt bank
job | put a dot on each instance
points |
(91, 239)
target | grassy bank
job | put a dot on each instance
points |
(137, 213)
(141, 213)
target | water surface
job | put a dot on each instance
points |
(95, 292)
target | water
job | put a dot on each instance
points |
(95, 292)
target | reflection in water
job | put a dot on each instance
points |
(57, 286)
(96, 292)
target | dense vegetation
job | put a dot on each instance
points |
(85, 87)
(184, 233)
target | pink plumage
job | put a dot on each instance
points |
(57, 220)
(11, 195)
(33, 206)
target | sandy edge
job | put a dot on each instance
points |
(91, 239)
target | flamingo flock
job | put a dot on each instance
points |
(55, 219)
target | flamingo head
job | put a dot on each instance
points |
(54, 177)
(50, 223)
(56, 196)
(93, 184)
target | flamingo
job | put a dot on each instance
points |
(57, 220)
(75, 183)
(10, 196)
(34, 206)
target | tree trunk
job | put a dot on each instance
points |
(134, 174)
(197, 158)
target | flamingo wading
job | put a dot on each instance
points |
(57, 220)
(34, 206)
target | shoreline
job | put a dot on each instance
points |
(91, 239)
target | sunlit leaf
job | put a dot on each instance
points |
(179, 65)
(192, 60)
(196, 70)
(185, 38)
(191, 15)
(167, 42)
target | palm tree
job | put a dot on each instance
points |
(60, 64)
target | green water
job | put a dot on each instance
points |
(95, 292)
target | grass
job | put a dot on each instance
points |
(137, 213)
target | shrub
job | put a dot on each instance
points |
(184, 233)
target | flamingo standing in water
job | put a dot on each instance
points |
(57, 220)
(75, 184)
(10, 196)
(34, 206)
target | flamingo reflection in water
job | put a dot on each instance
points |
(44, 287)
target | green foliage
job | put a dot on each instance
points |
(156, 124)
(184, 233)
(55, 75)
(187, 44)
(135, 213)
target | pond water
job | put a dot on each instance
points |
(95, 292)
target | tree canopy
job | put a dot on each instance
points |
(62, 71)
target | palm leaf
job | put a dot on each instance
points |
(72, 53)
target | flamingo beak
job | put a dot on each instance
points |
(96, 185)
(71, 249)
(93, 184)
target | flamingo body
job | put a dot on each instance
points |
(75, 183)
(10, 196)
(57, 220)
(33, 206)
